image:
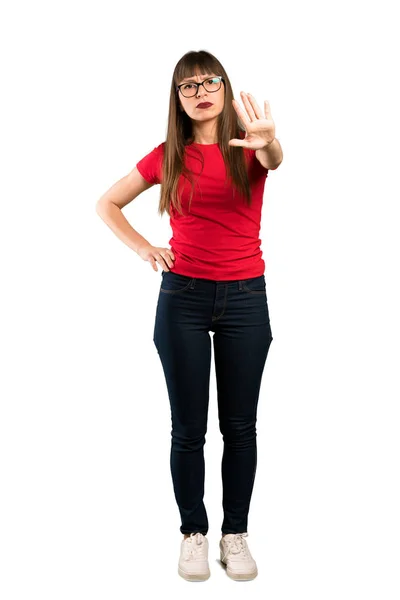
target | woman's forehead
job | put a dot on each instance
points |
(199, 76)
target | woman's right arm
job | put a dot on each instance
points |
(109, 206)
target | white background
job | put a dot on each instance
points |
(87, 507)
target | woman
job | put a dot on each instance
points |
(212, 174)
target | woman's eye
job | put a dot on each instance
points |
(185, 87)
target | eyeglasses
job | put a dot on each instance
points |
(191, 89)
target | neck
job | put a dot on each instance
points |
(205, 133)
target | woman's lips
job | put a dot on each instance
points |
(204, 105)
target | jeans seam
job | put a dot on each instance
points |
(178, 291)
(249, 291)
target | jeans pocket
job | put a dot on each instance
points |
(255, 285)
(173, 283)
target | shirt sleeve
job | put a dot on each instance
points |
(150, 166)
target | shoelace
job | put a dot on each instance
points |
(195, 546)
(237, 545)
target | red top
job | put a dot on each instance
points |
(219, 238)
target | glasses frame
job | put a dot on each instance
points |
(221, 79)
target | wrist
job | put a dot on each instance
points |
(268, 145)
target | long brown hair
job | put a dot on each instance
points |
(180, 134)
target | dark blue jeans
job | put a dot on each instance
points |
(237, 313)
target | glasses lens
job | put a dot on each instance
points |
(212, 85)
(189, 89)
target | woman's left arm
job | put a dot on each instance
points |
(271, 155)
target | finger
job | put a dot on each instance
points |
(235, 142)
(167, 257)
(257, 109)
(162, 260)
(242, 115)
(153, 263)
(238, 142)
(248, 106)
(242, 124)
(267, 109)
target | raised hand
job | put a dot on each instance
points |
(260, 128)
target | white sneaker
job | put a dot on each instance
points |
(235, 554)
(193, 560)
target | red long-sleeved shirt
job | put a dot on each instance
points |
(219, 238)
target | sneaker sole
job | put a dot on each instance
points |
(193, 576)
(239, 576)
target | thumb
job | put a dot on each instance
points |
(235, 142)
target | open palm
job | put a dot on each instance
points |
(260, 129)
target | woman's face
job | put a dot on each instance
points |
(190, 104)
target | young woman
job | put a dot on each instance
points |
(212, 170)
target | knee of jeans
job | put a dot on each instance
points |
(190, 438)
(238, 433)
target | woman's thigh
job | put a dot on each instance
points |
(183, 343)
(241, 343)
